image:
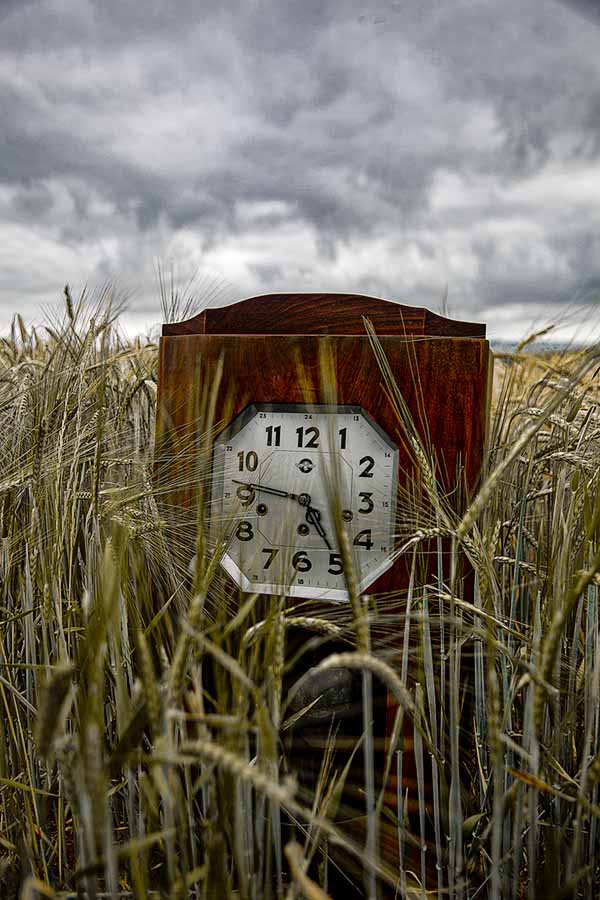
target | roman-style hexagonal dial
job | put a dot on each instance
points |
(276, 468)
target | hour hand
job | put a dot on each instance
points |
(265, 490)
(313, 517)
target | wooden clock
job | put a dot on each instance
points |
(279, 449)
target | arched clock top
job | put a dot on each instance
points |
(318, 314)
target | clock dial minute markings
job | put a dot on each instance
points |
(301, 532)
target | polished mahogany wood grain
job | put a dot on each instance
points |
(321, 314)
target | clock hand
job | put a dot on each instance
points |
(265, 490)
(313, 517)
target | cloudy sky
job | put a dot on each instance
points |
(399, 148)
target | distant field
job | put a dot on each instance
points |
(149, 737)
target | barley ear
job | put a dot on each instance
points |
(52, 707)
(309, 888)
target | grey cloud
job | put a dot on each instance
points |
(269, 274)
(587, 8)
(137, 127)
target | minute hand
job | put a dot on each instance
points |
(266, 490)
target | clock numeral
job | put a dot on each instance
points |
(245, 495)
(368, 506)
(249, 460)
(343, 433)
(311, 434)
(271, 554)
(363, 539)
(356, 418)
(273, 435)
(368, 462)
(301, 562)
(244, 531)
(336, 567)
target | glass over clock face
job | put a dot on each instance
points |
(274, 470)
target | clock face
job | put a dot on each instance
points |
(275, 470)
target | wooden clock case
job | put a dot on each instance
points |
(443, 369)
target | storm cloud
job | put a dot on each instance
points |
(391, 148)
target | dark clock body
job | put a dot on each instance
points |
(443, 370)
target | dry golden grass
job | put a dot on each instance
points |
(143, 741)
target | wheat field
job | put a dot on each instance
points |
(147, 741)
